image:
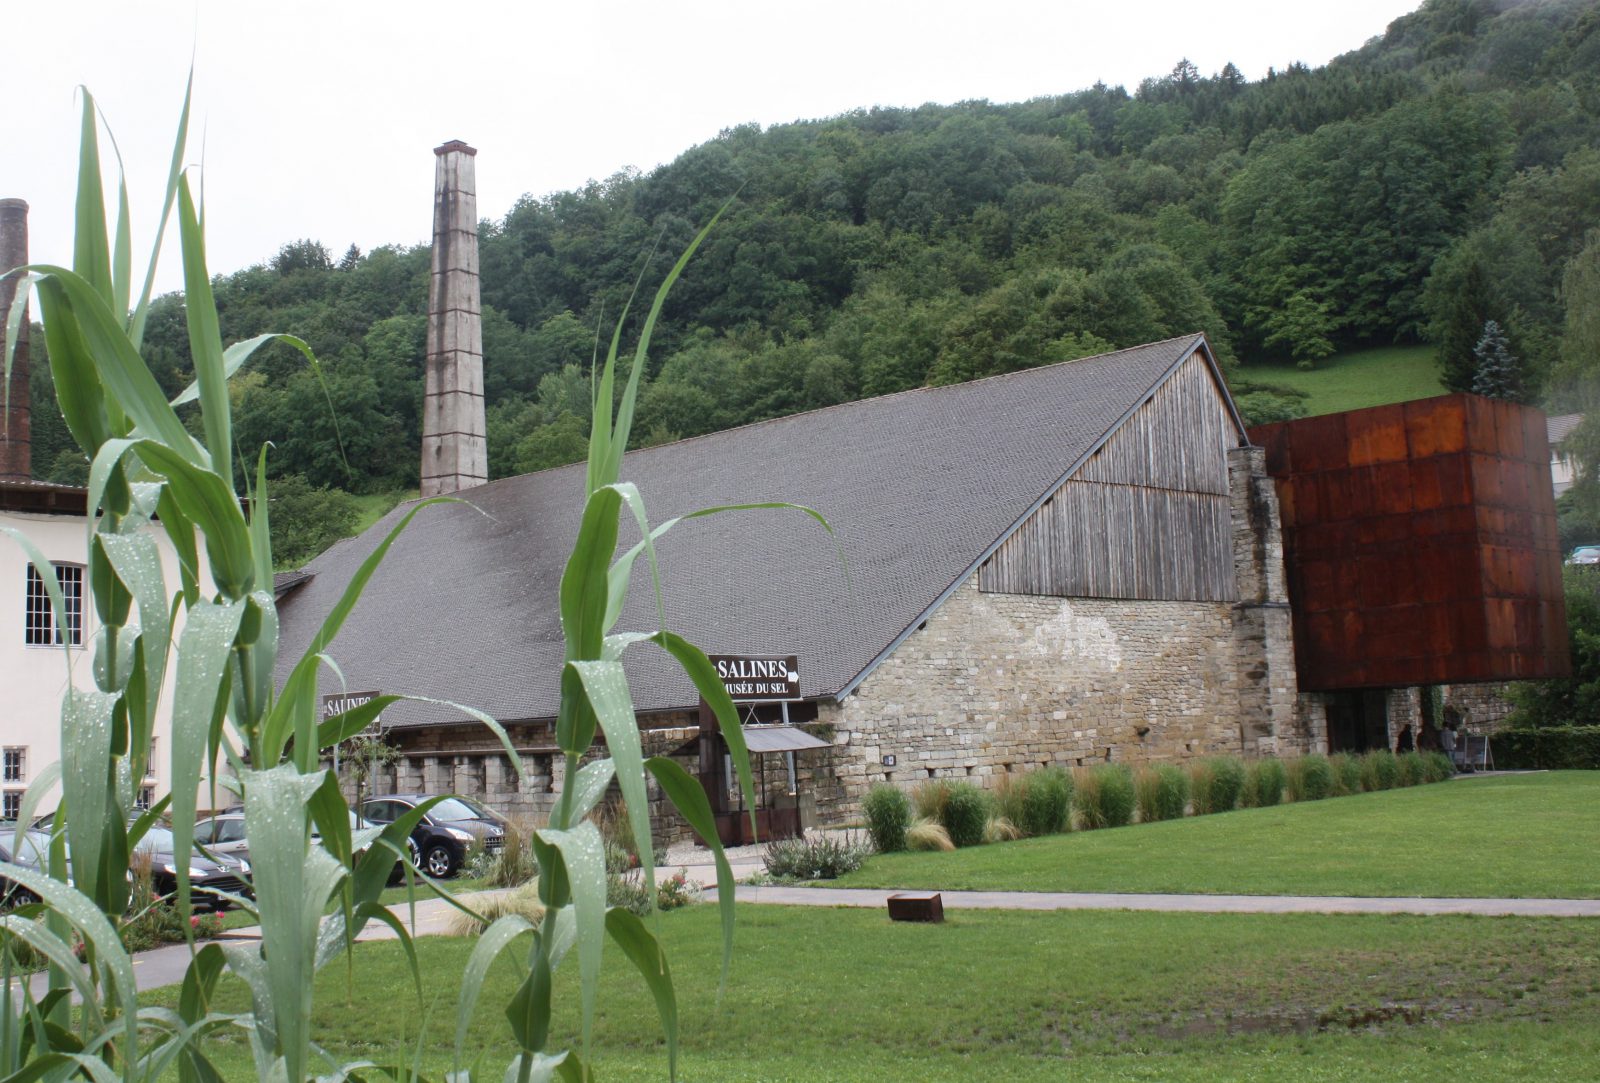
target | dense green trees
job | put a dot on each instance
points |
(1442, 176)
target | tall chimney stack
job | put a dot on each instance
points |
(454, 451)
(16, 429)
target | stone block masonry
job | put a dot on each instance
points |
(454, 448)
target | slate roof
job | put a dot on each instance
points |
(1557, 428)
(917, 486)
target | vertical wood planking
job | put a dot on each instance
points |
(1148, 516)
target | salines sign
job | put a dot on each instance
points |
(760, 677)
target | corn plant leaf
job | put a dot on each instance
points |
(261, 523)
(500, 935)
(544, 1068)
(79, 393)
(59, 953)
(704, 675)
(52, 586)
(200, 983)
(174, 170)
(122, 246)
(611, 463)
(70, 905)
(650, 959)
(91, 251)
(118, 365)
(137, 562)
(43, 782)
(583, 582)
(205, 336)
(528, 1012)
(340, 727)
(209, 501)
(204, 648)
(689, 798)
(606, 686)
(292, 880)
(583, 855)
(86, 790)
(294, 712)
(589, 785)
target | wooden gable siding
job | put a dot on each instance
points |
(1148, 516)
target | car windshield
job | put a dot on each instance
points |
(158, 840)
(1586, 551)
(458, 808)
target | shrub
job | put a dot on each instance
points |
(926, 835)
(814, 857)
(1264, 781)
(1104, 796)
(1436, 767)
(1311, 778)
(1161, 793)
(1379, 771)
(1001, 829)
(493, 905)
(1411, 769)
(1346, 773)
(966, 813)
(1216, 784)
(928, 798)
(1047, 802)
(676, 890)
(1550, 748)
(888, 813)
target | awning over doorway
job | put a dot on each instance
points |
(780, 739)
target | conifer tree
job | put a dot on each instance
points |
(1497, 376)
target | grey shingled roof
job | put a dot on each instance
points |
(1557, 428)
(917, 486)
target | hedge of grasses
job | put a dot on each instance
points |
(942, 814)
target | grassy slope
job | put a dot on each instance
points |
(374, 506)
(1350, 381)
(1512, 836)
(846, 995)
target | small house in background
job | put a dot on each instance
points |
(1557, 429)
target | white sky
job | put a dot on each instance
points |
(318, 119)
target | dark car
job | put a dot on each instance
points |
(30, 851)
(440, 841)
(207, 875)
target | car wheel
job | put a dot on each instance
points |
(18, 896)
(438, 862)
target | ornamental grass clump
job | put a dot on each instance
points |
(1411, 769)
(1264, 781)
(1104, 796)
(1161, 792)
(888, 814)
(1215, 784)
(1379, 770)
(1437, 767)
(1346, 773)
(1311, 778)
(966, 813)
(928, 798)
(926, 836)
(1036, 802)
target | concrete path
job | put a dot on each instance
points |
(875, 898)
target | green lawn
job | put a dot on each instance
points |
(374, 506)
(1350, 381)
(1510, 836)
(822, 994)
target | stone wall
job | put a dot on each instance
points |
(1484, 707)
(995, 683)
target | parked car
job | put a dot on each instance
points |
(1585, 554)
(223, 834)
(30, 851)
(220, 872)
(440, 841)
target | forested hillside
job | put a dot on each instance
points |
(1445, 174)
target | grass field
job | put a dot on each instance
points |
(1350, 381)
(821, 994)
(374, 506)
(1521, 836)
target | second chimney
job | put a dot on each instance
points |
(16, 427)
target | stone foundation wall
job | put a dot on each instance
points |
(1484, 708)
(996, 683)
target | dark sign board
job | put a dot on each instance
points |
(759, 677)
(340, 702)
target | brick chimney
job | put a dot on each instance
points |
(454, 451)
(16, 433)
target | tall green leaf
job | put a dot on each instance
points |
(650, 959)
(606, 687)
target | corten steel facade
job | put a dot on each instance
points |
(1420, 544)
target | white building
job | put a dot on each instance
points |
(34, 669)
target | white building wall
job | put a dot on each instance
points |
(33, 679)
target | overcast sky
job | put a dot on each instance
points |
(318, 119)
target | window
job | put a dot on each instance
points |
(39, 628)
(15, 765)
(11, 805)
(150, 764)
(146, 798)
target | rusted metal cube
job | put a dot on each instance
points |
(916, 906)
